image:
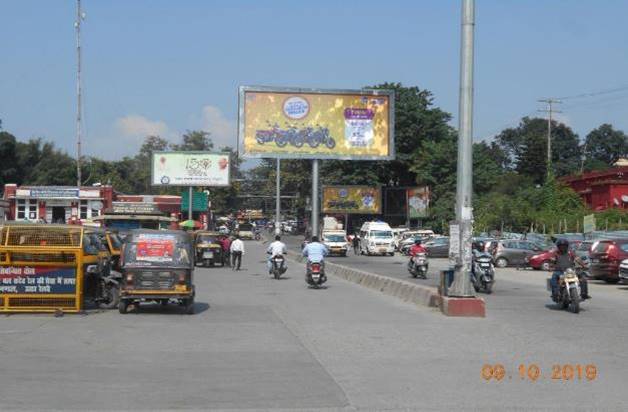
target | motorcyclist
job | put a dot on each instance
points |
(274, 249)
(315, 251)
(566, 259)
(417, 247)
(478, 249)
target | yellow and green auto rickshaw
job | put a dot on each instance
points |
(208, 248)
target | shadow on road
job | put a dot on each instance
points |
(170, 309)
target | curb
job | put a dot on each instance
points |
(408, 292)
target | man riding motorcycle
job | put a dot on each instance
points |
(315, 252)
(566, 259)
(418, 267)
(417, 248)
(274, 249)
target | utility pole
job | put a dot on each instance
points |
(278, 200)
(77, 25)
(550, 102)
(315, 198)
(461, 286)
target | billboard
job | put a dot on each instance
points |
(589, 224)
(190, 169)
(316, 124)
(352, 199)
(418, 202)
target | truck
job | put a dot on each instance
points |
(334, 237)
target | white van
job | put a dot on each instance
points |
(376, 238)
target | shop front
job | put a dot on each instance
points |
(56, 204)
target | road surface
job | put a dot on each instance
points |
(259, 343)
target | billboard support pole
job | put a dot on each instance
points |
(315, 199)
(278, 199)
(407, 210)
(461, 286)
(190, 203)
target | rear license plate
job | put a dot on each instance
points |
(382, 250)
(208, 255)
(595, 260)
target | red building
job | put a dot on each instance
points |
(603, 189)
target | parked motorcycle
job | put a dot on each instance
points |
(483, 273)
(315, 274)
(278, 265)
(417, 266)
(568, 296)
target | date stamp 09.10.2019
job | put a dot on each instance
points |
(533, 373)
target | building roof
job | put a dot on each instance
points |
(620, 172)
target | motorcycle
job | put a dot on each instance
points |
(483, 273)
(568, 296)
(258, 235)
(417, 266)
(315, 274)
(278, 265)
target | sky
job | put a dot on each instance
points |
(163, 66)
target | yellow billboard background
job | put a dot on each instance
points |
(265, 118)
(352, 199)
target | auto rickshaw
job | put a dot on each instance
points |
(208, 248)
(157, 266)
(50, 268)
(102, 280)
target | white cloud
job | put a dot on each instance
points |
(139, 126)
(223, 131)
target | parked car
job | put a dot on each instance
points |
(606, 256)
(514, 252)
(543, 260)
(438, 247)
(583, 250)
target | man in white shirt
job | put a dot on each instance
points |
(237, 250)
(274, 249)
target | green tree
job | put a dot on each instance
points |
(525, 148)
(604, 146)
(194, 140)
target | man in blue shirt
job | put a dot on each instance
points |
(315, 251)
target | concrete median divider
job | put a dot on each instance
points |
(399, 288)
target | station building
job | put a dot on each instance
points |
(71, 204)
(602, 190)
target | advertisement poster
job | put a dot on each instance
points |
(297, 123)
(418, 202)
(352, 199)
(37, 279)
(190, 169)
(155, 248)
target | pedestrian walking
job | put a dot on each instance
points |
(226, 250)
(237, 251)
(356, 244)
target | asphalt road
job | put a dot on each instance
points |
(262, 344)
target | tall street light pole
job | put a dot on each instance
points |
(77, 25)
(278, 199)
(461, 287)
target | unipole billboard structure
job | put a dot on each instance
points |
(190, 169)
(296, 123)
(461, 286)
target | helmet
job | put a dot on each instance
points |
(417, 241)
(562, 244)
